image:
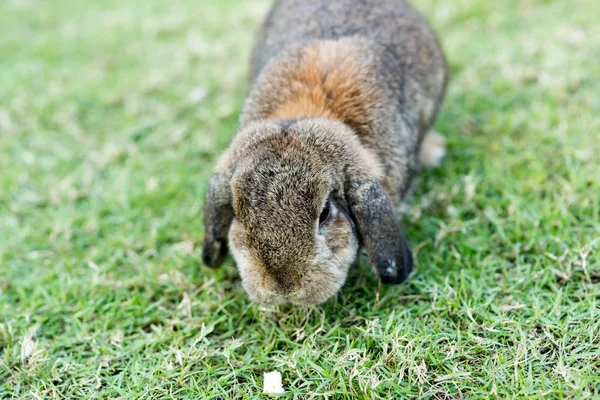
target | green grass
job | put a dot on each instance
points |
(112, 114)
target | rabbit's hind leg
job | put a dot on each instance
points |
(433, 149)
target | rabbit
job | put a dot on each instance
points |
(335, 128)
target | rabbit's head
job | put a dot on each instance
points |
(297, 199)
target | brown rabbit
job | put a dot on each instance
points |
(332, 134)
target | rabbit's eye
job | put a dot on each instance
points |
(325, 214)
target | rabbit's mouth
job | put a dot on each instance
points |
(309, 294)
(300, 297)
(291, 299)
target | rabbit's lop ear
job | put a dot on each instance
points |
(218, 214)
(380, 230)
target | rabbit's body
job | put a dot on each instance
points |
(343, 94)
(374, 64)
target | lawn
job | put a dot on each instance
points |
(112, 114)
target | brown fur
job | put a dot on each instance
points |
(327, 82)
(341, 238)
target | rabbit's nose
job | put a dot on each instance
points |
(287, 285)
(285, 288)
(291, 288)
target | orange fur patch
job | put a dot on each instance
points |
(328, 82)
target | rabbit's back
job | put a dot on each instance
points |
(393, 24)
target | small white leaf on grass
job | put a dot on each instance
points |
(272, 383)
(28, 347)
(197, 94)
(152, 184)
